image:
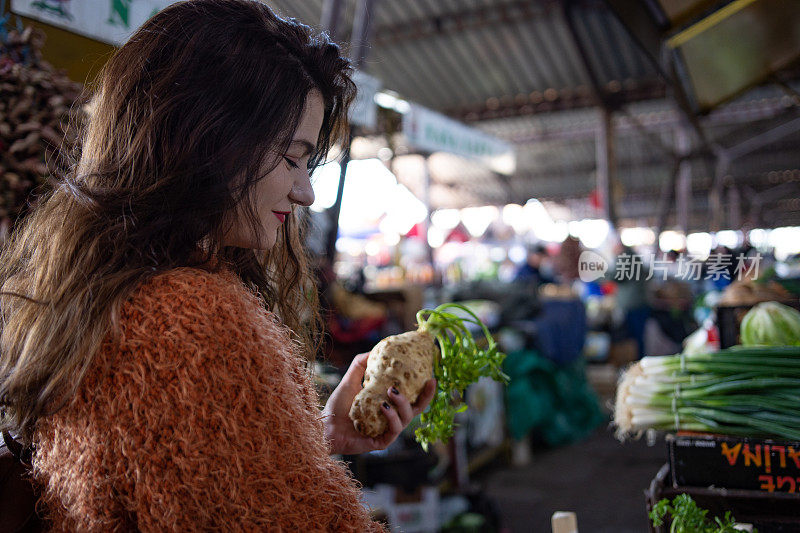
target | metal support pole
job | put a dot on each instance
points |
(715, 193)
(359, 39)
(606, 165)
(426, 224)
(570, 16)
(335, 209)
(735, 207)
(606, 160)
(683, 185)
(667, 195)
(331, 15)
(681, 99)
(362, 29)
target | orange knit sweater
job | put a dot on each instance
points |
(198, 415)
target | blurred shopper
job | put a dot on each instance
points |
(535, 270)
(507, 270)
(158, 313)
(720, 268)
(630, 273)
(566, 262)
(672, 269)
(670, 319)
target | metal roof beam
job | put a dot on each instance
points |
(458, 21)
(550, 100)
(759, 141)
(745, 113)
(569, 176)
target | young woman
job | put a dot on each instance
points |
(157, 310)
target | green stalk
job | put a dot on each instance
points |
(742, 385)
(461, 363)
(723, 417)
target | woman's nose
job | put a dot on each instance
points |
(302, 193)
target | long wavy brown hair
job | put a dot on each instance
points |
(204, 94)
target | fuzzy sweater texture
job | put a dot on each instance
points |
(197, 415)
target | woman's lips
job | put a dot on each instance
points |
(281, 215)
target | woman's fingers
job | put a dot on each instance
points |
(402, 405)
(405, 410)
(399, 412)
(395, 424)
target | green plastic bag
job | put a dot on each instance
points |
(552, 403)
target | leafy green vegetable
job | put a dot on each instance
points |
(462, 363)
(771, 324)
(687, 517)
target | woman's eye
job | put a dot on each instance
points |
(291, 163)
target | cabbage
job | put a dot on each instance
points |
(771, 324)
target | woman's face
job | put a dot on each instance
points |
(287, 184)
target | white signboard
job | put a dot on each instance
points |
(110, 21)
(363, 111)
(430, 131)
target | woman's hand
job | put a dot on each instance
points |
(339, 430)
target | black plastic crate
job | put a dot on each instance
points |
(769, 512)
(734, 463)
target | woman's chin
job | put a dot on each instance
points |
(268, 242)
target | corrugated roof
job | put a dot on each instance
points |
(453, 55)
(512, 68)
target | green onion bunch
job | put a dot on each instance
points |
(751, 391)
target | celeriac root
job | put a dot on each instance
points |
(404, 361)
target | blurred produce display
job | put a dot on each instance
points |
(749, 292)
(355, 306)
(37, 108)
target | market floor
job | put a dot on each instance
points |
(600, 479)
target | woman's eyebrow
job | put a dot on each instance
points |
(308, 146)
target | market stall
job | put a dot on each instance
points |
(730, 417)
(581, 177)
